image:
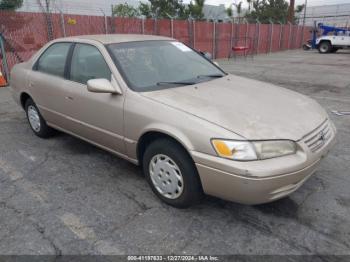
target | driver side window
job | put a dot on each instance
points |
(88, 63)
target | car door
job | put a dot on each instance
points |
(97, 117)
(47, 84)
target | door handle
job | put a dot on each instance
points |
(69, 98)
(31, 84)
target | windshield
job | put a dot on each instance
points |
(153, 65)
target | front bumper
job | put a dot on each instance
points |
(256, 182)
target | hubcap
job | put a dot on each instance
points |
(166, 176)
(324, 48)
(34, 118)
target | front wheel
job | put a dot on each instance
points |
(172, 174)
(36, 121)
(325, 47)
(306, 47)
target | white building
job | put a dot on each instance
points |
(334, 15)
(80, 7)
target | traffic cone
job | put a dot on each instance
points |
(2, 80)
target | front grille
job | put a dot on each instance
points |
(319, 137)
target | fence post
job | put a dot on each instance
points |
(258, 40)
(112, 21)
(106, 24)
(296, 38)
(143, 25)
(302, 35)
(231, 35)
(194, 33)
(214, 38)
(281, 33)
(62, 23)
(290, 35)
(238, 31)
(155, 26)
(271, 35)
(246, 32)
(190, 31)
(172, 27)
(105, 20)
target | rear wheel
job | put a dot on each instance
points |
(325, 47)
(334, 50)
(171, 173)
(36, 121)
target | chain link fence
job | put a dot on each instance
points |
(26, 32)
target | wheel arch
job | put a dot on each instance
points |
(23, 98)
(151, 135)
(325, 40)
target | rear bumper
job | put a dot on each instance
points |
(257, 182)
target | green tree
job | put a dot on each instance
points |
(297, 13)
(10, 4)
(145, 10)
(163, 9)
(266, 10)
(229, 11)
(195, 9)
(250, 2)
(299, 8)
(125, 10)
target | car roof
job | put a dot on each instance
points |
(115, 38)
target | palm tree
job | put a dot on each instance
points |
(229, 11)
(291, 11)
(239, 9)
(249, 4)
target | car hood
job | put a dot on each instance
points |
(249, 108)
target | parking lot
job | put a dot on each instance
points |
(64, 196)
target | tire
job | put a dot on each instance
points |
(36, 122)
(306, 47)
(325, 47)
(334, 50)
(165, 161)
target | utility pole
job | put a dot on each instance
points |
(302, 33)
(305, 6)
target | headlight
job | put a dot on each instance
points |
(253, 150)
(274, 148)
(236, 150)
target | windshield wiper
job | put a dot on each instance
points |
(213, 76)
(176, 83)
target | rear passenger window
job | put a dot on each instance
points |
(53, 60)
(88, 63)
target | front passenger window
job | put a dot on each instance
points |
(88, 63)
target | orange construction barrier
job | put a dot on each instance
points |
(2, 80)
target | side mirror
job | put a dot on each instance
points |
(207, 55)
(101, 85)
